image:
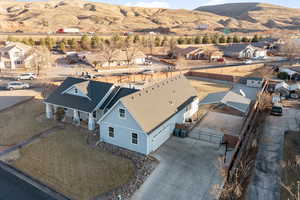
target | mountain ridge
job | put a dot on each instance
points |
(46, 16)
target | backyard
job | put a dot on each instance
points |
(65, 162)
(22, 122)
(204, 88)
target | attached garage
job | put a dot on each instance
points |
(160, 137)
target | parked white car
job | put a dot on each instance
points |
(27, 76)
(248, 61)
(17, 85)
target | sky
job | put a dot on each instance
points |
(192, 4)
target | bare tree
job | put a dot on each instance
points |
(41, 58)
(181, 63)
(109, 52)
(290, 48)
(131, 51)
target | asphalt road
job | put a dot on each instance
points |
(13, 188)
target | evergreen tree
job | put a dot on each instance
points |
(236, 39)
(42, 42)
(165, 41)
(180, 40)
(85, 42)
(157, 41)
(206, 40)
(95, 42)
(222, 39)
(189, 40)
(25, 41)
(229, 39)
(255, 39)
(198, 40)
(245, 39)
(73, 43)
(62, 46)
(136, 39)
(31, 42)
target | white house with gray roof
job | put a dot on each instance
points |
(242, 51)
(15, 55)
(144, 120)
(84, 100)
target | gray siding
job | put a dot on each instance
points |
(123, 130)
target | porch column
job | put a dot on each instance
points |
(49, 111)
(91, 122)
(76, 119)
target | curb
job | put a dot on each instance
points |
(32, 181)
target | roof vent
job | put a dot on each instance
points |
(147, 91)
(140, 94)
(171, 102)
(132, 97)
(153, 88)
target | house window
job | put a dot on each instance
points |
(134, 138)
(111, 132)
(122, 112)
(18, 62)
(188, 108)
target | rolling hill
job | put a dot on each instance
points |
(51, 15)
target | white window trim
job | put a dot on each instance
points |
(121, 108)
(137, 138)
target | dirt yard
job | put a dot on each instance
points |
(204, 88)
(66, 163)
(21, 122)
(291, 169)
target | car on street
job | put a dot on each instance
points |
(277, 109)
(27, 76)
(248, 62)
(148, 71)
(294, 96)
(14, 85)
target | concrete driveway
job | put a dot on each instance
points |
(188, 170)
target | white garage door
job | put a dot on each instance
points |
(161, 137)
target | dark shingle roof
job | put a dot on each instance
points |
(122, 92)
(95, 90)
(234, 48)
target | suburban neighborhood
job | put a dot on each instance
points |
(124, 102)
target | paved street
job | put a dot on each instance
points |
(265, 183)
(13, 188)
(188, 170)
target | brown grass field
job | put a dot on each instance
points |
(20, 123)
(204, 88)
(66, 163)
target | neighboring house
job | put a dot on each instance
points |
(196, 53)
(293, 75)
(84, 100)
(231, 99)
(15, 55)
(242, 51)
(144, 120)
(254, 82)
(119, 58)
(189, 53)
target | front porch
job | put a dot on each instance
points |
(71, 115)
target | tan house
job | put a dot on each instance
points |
(196, 53)
(15, 55)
